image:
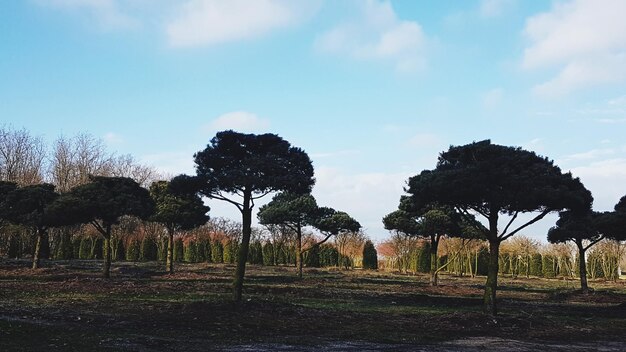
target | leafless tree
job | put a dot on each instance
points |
(22, 157)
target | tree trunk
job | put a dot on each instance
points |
(492, 278)
(37, 249)
(106, 253)
(299, 250)
(242, 255)
(169, 263)
(434, 243)
(582, 265)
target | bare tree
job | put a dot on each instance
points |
(22, 157)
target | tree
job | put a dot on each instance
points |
(370, 257)
(176, 212)
(101, 203)
(431, 222)
(331, 222)
(293, 211)
(492, 180)
(247, 167)
(28, 206)
(583, 229)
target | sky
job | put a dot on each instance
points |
(371, 90)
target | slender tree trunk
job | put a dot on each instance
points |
(582, 265)
(242, 255)
(299, 250)
(106, 253)
(492, 278)
(36, 255)
(434, 243)
(169, 263)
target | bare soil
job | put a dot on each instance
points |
(67, 306)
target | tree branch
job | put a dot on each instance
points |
(509, 224)
(318, 243)
(537, 218)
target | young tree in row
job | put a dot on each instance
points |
(493, 180)
(176, 212)
(293, 211)
(28, 206)
(432, 223)
(583, 229)
(370, 256)
(101, 203)
(247, 167)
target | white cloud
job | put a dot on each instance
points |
(425, 140)
(240, 121)
(367, 196)
(584, 39)
(111, 139)
(605, 179)
(209, 22)
(378, 34)
(171, 163)
(108, 14)
(589, 155)
(492, 98)
(495, 8)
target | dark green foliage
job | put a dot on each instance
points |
(536, 266)
(118, 249)
(328, 255)
(179, 250)
(96, 248)
(483, 261)
(230, 252)
(15, 247)
(255, 256)
(183, 211)
(204, 247)
(217, 252)
(162, 250)
(84, 251)
(132, 250)
(191, 252)
(76, 247)
(423, 258)
(311, 257)
(65, 250)
(370, 256)
(148, 249)
(268, 254)
(548, 265)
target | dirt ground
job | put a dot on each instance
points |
(67, 306)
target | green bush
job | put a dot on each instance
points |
(179, 250)
(268, 254)
(424, 258)
(132, 251)
(230, 252)
(370, 256)
(255, 254)
(148, 249)
(65, 250)
(217, 252)
(84, 250)
(311, 258)
(536, 266)
(548, 264)
(15, 247)
(204, 247)
(328, 255)
(191, 252)
(162, 249)
(96, 248)
(483, 262)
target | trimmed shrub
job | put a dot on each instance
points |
(191, 252)
(217, 252)
(268, 254)
(179, 250)
(311, 258)
(148, 249)
(536, 266)
(255, 254)
(483, 262)
(370, 256)
(548, 264)
(423, 258)
(84, 251)
(203, 248)
(65, 250)
(132, 251)
(328, 255)
(96, 248)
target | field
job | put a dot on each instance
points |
(67, 306)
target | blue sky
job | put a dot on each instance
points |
(372, 90)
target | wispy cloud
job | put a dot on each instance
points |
(241, 121)
(584, 39)
(107, 14)
(210, 22)
(379, 35)
(495, 8)
(112, 139)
